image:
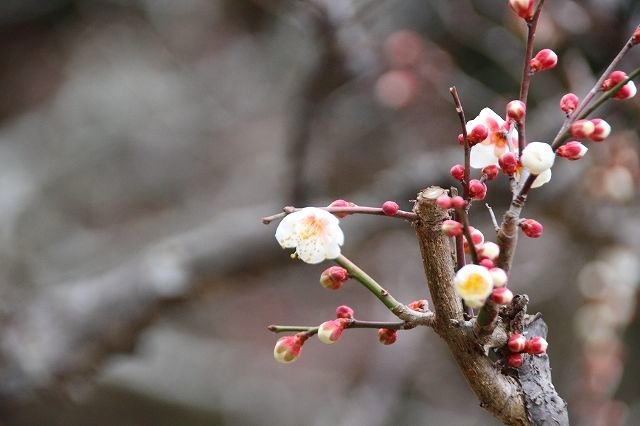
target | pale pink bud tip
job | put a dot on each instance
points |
(627, 91)
(515, 360)
(572, 150)
(569, 102)
(451, 228)
(531, 228)
(582, 129)
(341, 203)
(390, 208)
(508, 163)
(601, 130)
(523, 8)
(333, 277)
(477, 189)
(344, 311)
(457, 202)
(443, 201)
(387, 336)
(536, 346)
(419, 305)
(502, 295)
(517, 343)
(288, 348)
(330, 331)
(544, 60)
(457, 172)
(516, 111)
(490, 172)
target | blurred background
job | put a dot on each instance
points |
(141, 141)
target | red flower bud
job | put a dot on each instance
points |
(517, 343)
(572, 150)
(516, 111)
(544, 60)
(531, 228)
(635, 38)
(613, 79)
(443, 201)
(457, 172)
(333, 277)
(515, 360)
(601, 130)
(508, 163)
(419, 305)
(344, 311)
(387, 336)
(477, 189)
(536, 346)
(341, 203)
(451, 228)
(627, 91)
(487, 263)
(288, 348)
(502, 295)
(390, 208)
(582, 129)
(490, 172)
(457, 202)
(569, 102)
(523, 8)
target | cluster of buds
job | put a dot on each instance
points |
(595, 130)
(330, 331)
(476, 283)
(627, 91)
(518, 345)
(445, 202)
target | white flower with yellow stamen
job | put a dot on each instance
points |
(313, 232)
(474, 284)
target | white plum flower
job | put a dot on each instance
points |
(499, 140)
(313, 232)
(474, 284)
(537, 157)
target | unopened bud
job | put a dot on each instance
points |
(635, 38)
(421, 305)
(489, 250)
(476, 236)
(457, 202)
(627, 91)
(344, 311)
(499, 277)
(451, 228)
(502, 295)
(390, 208)
(572, 150)
(516, 111)
(536, 346)
(288, 348)
(443, 201)
(537, 157)
(515, 360)
(333, 277)
(531, 228)
(544, 60)
(490, 172)
(330, 331)
(601, 130)
(517, 343)
(569, 102)
(613, 79)
(487, 263)
(387, 336)
(523, 8)
(457, 172)
(341, 203)
(508, 163)
(582, 129)
(477, 189)
(476, 132)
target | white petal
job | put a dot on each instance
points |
(542, 178)
(482, 156)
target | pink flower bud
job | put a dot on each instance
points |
(627, 91)
(288, 348)
(613, 79)
(333, 277)
(476, 236)
(601, 130)
(508, 163)
(457, 172)
(387, 336)
(569, 102)
(489, 250)
(517, 343)
(502, 295)
(531, 228)
(451, 228)
(477, 189)
(487, 263)
(390, 208)
(582, 129)
(330, 331)
(419, 305)
(341, 203)
(457, 202)
(536, 346)
(515, 360)
(344, 311)
(443, 201)
(490, 172)
(476, 132)
(516, 111)
(544, 60)
(572, 150)
(460, 139)
(499, 277)
(523, 8)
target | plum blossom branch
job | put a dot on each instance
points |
(401, 214)
(351, 323)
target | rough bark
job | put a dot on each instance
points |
(524, 396)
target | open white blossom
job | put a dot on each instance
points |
(313, 232)
(474, 284)
(499, 140)
(537, 157)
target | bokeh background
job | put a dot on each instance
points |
(141, 141)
